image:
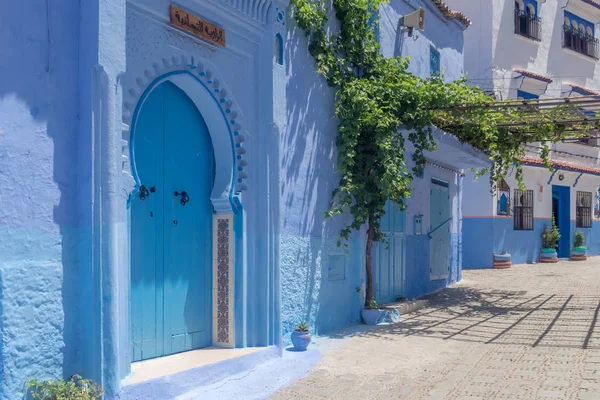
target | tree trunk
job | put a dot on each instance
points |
(370, 237)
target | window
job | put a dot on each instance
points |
(523, 210)
(584, 210)
(521, 95)
(578, 35)
(279, 49)
(434, 61)
(503, 198)
(527, 23)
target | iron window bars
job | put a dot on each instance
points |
(580, 41)
(528, 25)
(523, 210)
(584, 210)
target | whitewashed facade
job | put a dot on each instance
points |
(528, 49)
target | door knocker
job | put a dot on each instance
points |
(184, 197)
(145, 193)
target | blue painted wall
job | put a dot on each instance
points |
(39, 291)
(308, 176)
(312, 288)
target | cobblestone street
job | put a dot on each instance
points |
(529, 332)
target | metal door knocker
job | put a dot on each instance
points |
(184, 197)
(145, 193)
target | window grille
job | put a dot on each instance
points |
(584, 210)
(523, 210)
(528, 25)
(580, 41)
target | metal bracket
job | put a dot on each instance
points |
(577, 180)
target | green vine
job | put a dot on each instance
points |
(380, 105)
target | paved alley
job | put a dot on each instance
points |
(529, 332)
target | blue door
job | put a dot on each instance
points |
(390, 256)
(171, 227)
(439, 228)
(561, 211)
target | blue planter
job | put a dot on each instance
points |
(300, 340)
(501, 257)
(371, 317)
(547, 254)
(578, 253)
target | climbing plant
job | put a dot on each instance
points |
(380, 105)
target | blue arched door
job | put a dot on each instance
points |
(171, 227)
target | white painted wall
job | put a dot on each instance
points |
(536, 179)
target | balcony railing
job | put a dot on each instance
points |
(579, 41)
(528, 25)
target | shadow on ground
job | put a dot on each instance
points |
(498, 317)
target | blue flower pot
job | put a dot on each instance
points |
(578, 253)
(371, 317)
(300, 340)
(501, 257)
(549, 253)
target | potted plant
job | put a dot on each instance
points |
(74, 388)
(301, 337)
(371, 313)
(579, 251)
(549, 244)
(502, 261)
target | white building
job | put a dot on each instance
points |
(528, 49)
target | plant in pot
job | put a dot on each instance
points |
(371, 313)
(301, 336)
(579, 251)
(550, 239)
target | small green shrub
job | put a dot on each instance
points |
(75, 388)
(302, 327)
(579, 239)
(372, 304)
(550, 237)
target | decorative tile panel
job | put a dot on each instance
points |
(223, 281)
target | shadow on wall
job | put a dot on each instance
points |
(39, 233)
(308, 158)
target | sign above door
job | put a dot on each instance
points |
(197, 26)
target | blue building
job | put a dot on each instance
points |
(528, 50)
(164, 172)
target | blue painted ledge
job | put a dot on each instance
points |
(179, 384)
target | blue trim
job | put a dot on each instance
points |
(527, 95)
(532, 3)
(580, 21)
(552, 176)
(577, 180)
(134, 121)
(560, 169)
